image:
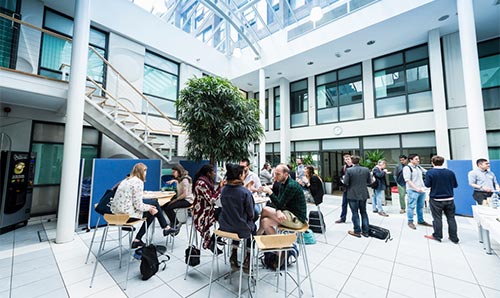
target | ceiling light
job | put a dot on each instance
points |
(279, 73)
(268, 77)
(310, 63)
(316, 14)
(443, 18)
(347, 51)
(337, 55)
(370, 42)
(249, 84)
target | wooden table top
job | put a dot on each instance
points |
(163, 197)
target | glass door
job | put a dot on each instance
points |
(9, 33)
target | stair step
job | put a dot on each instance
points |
(119, 115)
(149, 138)
(129, 123)
(156, 145)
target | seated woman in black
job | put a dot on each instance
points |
(237, 212)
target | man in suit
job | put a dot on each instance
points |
(356, 180)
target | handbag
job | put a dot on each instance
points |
(192, 256)
(379, 233)
(104, 205)
(309, 237)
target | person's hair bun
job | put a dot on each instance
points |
(233, 171)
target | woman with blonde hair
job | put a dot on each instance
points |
(128, 199)
(183, 199)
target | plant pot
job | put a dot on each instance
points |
(328, 187)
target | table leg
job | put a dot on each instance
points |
(486, 241)
(480, 234)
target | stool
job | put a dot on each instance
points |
(275, 244)
(172, 236)
(321, 223)
(93, 235)
(228, 236)
(302, 249)
(119, 221)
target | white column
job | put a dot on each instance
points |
(262, 115)
(66, 213)
(284, 120)
(368, 90)
(438, 94)
(473, 94)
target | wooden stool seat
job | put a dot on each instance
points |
(228, 235)
(278, 241)
(301, 230)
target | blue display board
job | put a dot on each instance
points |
(463, 194)
(108, 172)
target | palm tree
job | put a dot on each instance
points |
(219, 121)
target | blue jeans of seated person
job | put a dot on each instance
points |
(359, 207)
(378, 197)
(415, 199)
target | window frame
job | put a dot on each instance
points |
(303, 92)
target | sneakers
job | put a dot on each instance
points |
(430, 237)
(425, 224)
(402, 211)
(352, 233)
(340, 221)
(383, 214)
(412, 226)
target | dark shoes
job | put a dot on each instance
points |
(213, 247)
(426, 224)
(170, 231)
(246, 264)
(375, 211)
(454, 240)
(221, 241)
(233, 260)
(365, 234)
(352, 233)
(136, 244)
(383, 214)
(412, 226)
(340, 221)
(430, 237)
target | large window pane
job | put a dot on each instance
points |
(389, 82)
(418, 102)
(417, 76)
(327, 115)
(299, 119)
(166, 106)
(388, 61)
(55, 51)
(299, 103)
(490, 71)
(159, 83)
(351, 92)
(391, 106)
(326, 96)
(351, 112)
(58, 23)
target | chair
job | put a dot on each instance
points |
(274, 243)
(321, 224)
(93, 235)
(119, 221)
(182, 221)
(302, 249)
(228, 236)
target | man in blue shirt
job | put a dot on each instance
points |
(483, 180)
(442, 182)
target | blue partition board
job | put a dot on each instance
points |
(193, 166)
(108, 172)
(463, 194)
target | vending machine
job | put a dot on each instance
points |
(16, 185)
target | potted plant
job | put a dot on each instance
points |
(328, 184)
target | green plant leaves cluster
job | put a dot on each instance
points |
(372, 158)
(219, 121)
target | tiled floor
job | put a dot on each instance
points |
(32, 265)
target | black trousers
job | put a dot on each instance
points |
(437, 210)
(170, 210)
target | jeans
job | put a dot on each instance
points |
(343, 214)
(359, 207)
(437, 209)
(378, 197)
(402, 194)
(415, 199)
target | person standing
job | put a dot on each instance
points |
(483, 180)
(356, 180)
(442, 181)
(398, 172)
(379, 171)
(347, 164)
(416, 190)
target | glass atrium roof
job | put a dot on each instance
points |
(230, 25)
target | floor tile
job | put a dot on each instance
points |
(410, 288)
(360, 288)
(457, 286)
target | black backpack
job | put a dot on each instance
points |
(400, 179)
(150, 263)
(374, 183)
(104, 205)
(270, 259)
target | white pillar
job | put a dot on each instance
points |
(262, 115)
(368, 90)
(284, 120)
(66, 213)
(438, 94)
(473, 94)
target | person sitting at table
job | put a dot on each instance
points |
(314, 185)
(266, 178)
(129, 200)
(205, 213)
(183, 199)
(237, 212)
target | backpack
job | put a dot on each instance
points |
(270, 259)
(192, 256)
(400, 179)
(379, 233)
(104, 205)
(150, 263)
(374, 181)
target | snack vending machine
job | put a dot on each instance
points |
(16, 185)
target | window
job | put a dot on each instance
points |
(339, 95)
(169, 144)
(266, 108)
(402, 83)
(299, 104)
(493, 138)
(161, 84)
(489, 67)
(9, 33)
(273, 153)
(277, 112)
(56, 52)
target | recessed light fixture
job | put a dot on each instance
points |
(268, 77)
(370, 42)
(279, 73)
(347, 50)
(443, 18)
(249, 84)
(310, 63)
(337, 55)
